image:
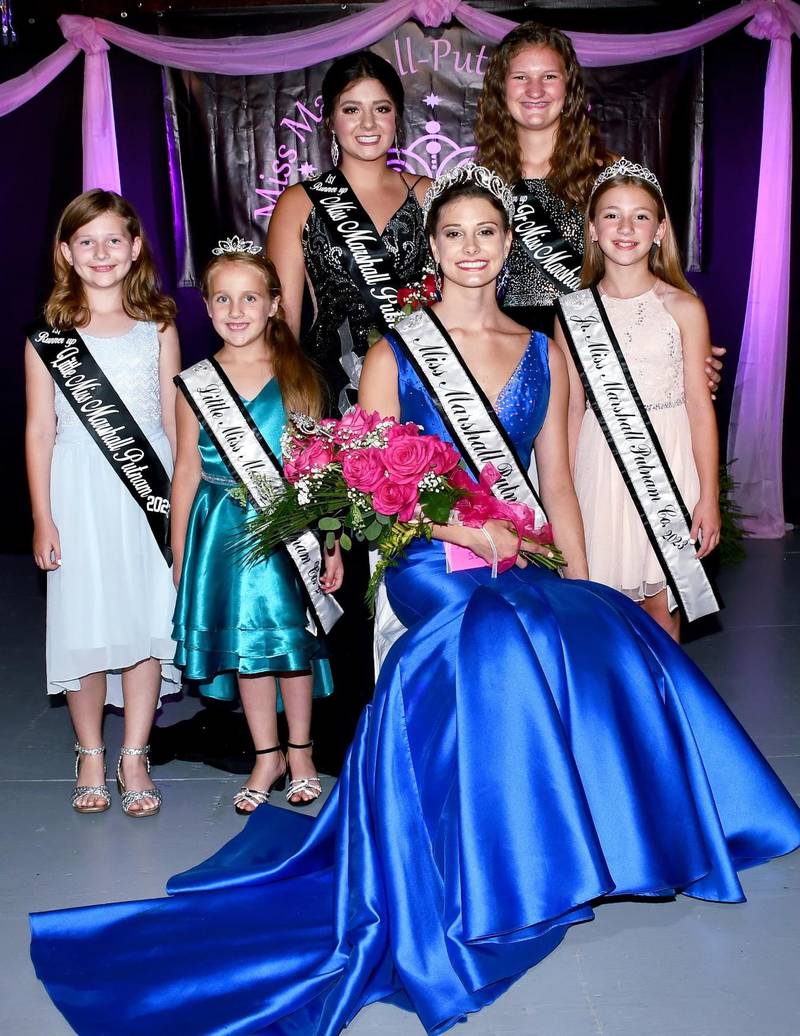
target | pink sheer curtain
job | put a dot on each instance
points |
(757, 416)
(756, 426)
(16, 92)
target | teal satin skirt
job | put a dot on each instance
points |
(231, 617)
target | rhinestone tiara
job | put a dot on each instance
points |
(624, 167)
(470, 172)
(236, 245)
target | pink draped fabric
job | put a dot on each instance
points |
(756, 426)
(100, 159)
(757, 416)
(16, 92)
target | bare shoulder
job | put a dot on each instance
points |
(380, 359)
(687, 309)
(293, 206)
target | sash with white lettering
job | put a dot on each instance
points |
(553, 255)
(369, 264)
(108, 421)
(467, 413)
(614, 398)
(249, 459)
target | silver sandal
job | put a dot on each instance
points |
(101, 790)
(301, 784)
(129, 798)
(255, 797)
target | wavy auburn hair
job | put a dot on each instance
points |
(142, 298)
(578, 152)
(297, 377)
(664, 260)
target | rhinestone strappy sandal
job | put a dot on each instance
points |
(301, 784)
(129, 798)
(254, 796)
(101, 790)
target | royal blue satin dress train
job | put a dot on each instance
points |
(534, 745)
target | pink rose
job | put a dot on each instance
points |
(355, 424)
(363, 469)
(408, 458)
(398, 498)
(317, 454)
(403, 431)
(445, 458)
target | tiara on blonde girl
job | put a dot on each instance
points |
(236, 246)
(624, 167)
(470, 172)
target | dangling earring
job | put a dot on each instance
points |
(502, 281)
(437, 274)
(334, 150)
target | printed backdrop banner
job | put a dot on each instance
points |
(235, 143)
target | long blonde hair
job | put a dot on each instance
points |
(142, 298)
(664, 261)
(578, 152)
(297, 377)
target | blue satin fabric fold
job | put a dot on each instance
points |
(534, 746)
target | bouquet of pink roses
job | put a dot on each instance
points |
(373, 479)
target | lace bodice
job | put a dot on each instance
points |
(527, 286)
(651, 343)
(340, 354)
(130, 362)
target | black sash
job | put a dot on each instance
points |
(366, 259)
(553, 255)
(635, 447)
(105, 417)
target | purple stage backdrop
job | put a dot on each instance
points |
(237, 142)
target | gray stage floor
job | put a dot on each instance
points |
(684, 968)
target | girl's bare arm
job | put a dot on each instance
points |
(40, 435)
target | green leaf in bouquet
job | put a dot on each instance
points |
(345, 541)
(373, 531)
(384, 519)
(330, 540)
(329, 524)
(436, 506)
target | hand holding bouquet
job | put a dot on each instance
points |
(370, 478)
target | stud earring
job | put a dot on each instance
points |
(657, 242)
(334, 150)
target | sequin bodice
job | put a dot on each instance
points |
(527, 285)
(340, 354)
(651, 343)
(521, 404)
(130, 362)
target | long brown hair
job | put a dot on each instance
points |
(664, 261)
(297, 377)
(142, 298)
(578, 151)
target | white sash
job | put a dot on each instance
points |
(249, 459)
(634, 445)
(465, 410)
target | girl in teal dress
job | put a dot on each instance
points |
(232, 619)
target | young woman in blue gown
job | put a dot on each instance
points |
(535, 744)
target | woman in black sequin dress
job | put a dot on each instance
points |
(363, 106)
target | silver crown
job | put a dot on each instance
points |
(470, 172)
(624, 167)
(236, 245)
